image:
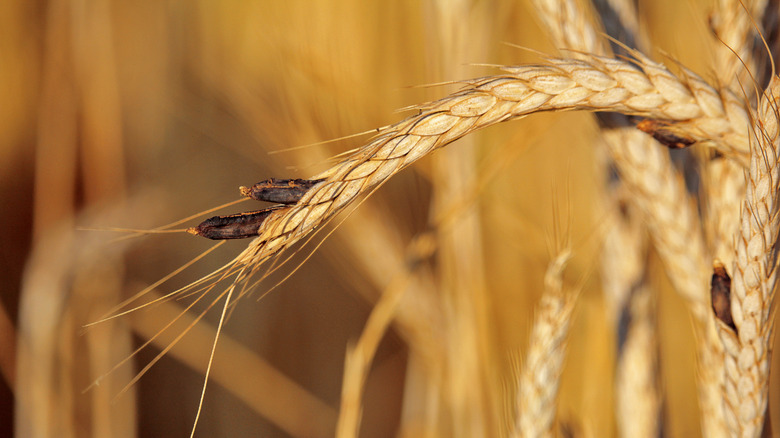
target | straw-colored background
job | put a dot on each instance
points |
(135, 114)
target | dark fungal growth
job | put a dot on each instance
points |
(281, 191)
(234, 226)
(245, 225)
(720, 293)
(664, 134)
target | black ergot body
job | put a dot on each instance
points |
(234, 226)
(244, 225)
(281, 191)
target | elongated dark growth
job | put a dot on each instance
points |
(663, 132)
(720, 292)
(234, 226)
(247, 224)
(281, 191)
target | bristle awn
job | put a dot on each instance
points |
(132, 230)
(111, 314)
(190, 289)
(213, 349)
(320, 143)
(165, 228)
(146, 343)
(175, 340)
(359, 357)
(205, 291)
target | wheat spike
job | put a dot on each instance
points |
(752, 295)
(734, 24)
(568, 27)
(670, 215)
(724, 190)
(541, 372)
(600, 83)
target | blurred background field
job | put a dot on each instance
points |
(136, 114)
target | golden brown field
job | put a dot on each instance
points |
(546, 276)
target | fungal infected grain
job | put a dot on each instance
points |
(234, 226)
(281, 191)
(664, 134)
(720, 292)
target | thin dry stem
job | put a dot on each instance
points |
(623, 256)
(360, 356)
(460, 33)
(7, 348)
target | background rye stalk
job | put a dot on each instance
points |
(641, 165)
(119, 114)
(537, 386)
